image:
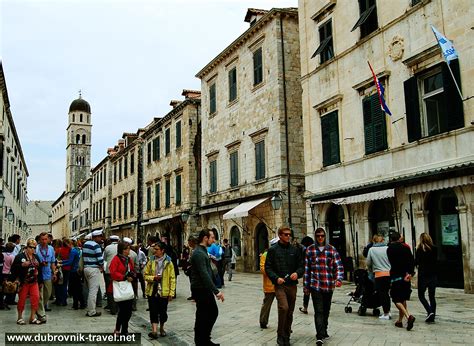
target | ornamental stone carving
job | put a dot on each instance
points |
(396, 48)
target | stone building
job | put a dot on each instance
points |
(368, 172)
(13, 172)
(101, 193)
(80, 210)
(78, 164)
(252, 148)
(171, 171)
(124, 177)
(38, 217)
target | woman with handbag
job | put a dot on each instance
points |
(8, 280)
(121, 275)
(26, 270)
(161, 287)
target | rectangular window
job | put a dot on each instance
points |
(125, 206)
(167, 141)
(105, 177)
(115, 209)
(115, 172)
(257, 67)
(157, 196)
(125, 166)
(260, 160)
(156, 149)
(213, 176)
(103, 207)
(132, 203)
(368, 18)
(148, 198)
(234, 169)
(232, 84)
(432, 102)
(132, 163)
(120, 207)
(330, 139)
(120, 169)
(375, 131)
(212, 99)
(178, 134)
(148, 153)
(325, 49)
(167, 193)
(178, 189)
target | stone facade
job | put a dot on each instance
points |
(80, 210)
(101, 193)
(420, 178)
(251, 95)
(38, 217)
(171, 171)
(13, 171)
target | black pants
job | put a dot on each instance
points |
(158, 309)
(124, 314)
(206, 315)
(110, 297)
(75, 288)
(382, 286)
(306, 300)
(142, 282)
(424, 282)
(322, 307)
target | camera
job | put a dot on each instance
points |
(287, 278)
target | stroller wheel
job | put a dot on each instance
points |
(362, 310)
(376, 312)
(348, 309)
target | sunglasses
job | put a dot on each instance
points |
(286, 234)
(31, 247)
(320, 236)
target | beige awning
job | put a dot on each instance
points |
(440, 184)
(157, 220)
(371, 196)
(242, 210)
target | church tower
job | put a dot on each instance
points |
(78, 146)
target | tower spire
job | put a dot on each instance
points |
(80, 93)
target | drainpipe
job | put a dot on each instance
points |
(285, 108)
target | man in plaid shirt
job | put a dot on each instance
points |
(323, 272)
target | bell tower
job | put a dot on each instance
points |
(78, 144)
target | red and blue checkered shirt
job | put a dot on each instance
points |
(322, 268)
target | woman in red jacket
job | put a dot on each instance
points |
(121, 269)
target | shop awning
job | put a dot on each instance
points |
(365, 197)
(217, 209)
(242, 210)
(157, 220)
(440, 184)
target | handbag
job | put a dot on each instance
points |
(10, 287)
(123, 290)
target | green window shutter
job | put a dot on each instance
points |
(167, 193)
(454, 105)
(260, 160)
(368, 128)
(156, 149)
(157, 196)
(379, 124)
(234, 169)
(148, 153)
(178, 189)
(232, 84)
(213, 176)
(212, 99)
(330, 138)
(125, 206)
(148, 198)
(412, 109)
(167, 142)
(257, 67)
(178, 134)
(125, 168)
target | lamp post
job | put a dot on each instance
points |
(276, 201)
(10, 215)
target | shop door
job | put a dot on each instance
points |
(261, 243)
(336, 230)
(445, 231)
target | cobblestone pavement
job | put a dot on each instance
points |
(238, 320)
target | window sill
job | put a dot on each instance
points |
(258, 86)
(377, 153)
(260, 181)
(231, 103)
(212, 115)
(332, 165)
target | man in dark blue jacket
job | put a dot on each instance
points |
(284, 265)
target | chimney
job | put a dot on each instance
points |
(191, 94)
(111, 151)
(121, 144)
(174, 103)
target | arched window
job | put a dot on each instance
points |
(83, 139)
(73, 118)
(78, 139)
(80, 117)
(88, 118)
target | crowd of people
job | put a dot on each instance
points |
(45, 267)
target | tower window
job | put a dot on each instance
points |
(83, 139)
(80, 118)
(73, 118)
(78, 139)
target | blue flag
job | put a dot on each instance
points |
(447, 48)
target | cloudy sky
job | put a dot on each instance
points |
(129, 58)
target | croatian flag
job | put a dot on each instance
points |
(380, 91)
(447, 48)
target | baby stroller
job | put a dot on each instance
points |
(364, 294)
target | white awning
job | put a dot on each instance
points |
(157, 220)
(371, 196)
(242, 210)
(217, 209)
(440, 184)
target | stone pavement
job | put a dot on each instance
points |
(238, 320)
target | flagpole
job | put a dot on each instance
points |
(455, 82)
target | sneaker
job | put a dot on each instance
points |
(97, 314)
(263, 326)
(399, 324)
(430, 318)
(326, 336)
(385, 317)
(411, 321)
(319, 342)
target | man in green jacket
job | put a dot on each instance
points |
(203, 290)
(284, 265)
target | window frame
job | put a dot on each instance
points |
(232, 77)
(257, 58)
(260, 160)
(178, 134)
(234, 168)
(167, 193)
(178, 190)
(212, 98)
(167, 141)
(329, 136)
(213, 176)
(326, 43)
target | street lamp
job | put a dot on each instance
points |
(10, 215)
(2, 199)
(184, 216)
(276, 201)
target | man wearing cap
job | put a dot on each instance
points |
(284, 265)
(93, 268)
(109, 253)
(268, 289)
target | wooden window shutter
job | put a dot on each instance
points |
(330, 139)
(412, 108)
(378, 124)
(454, 107)
(368, 126)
